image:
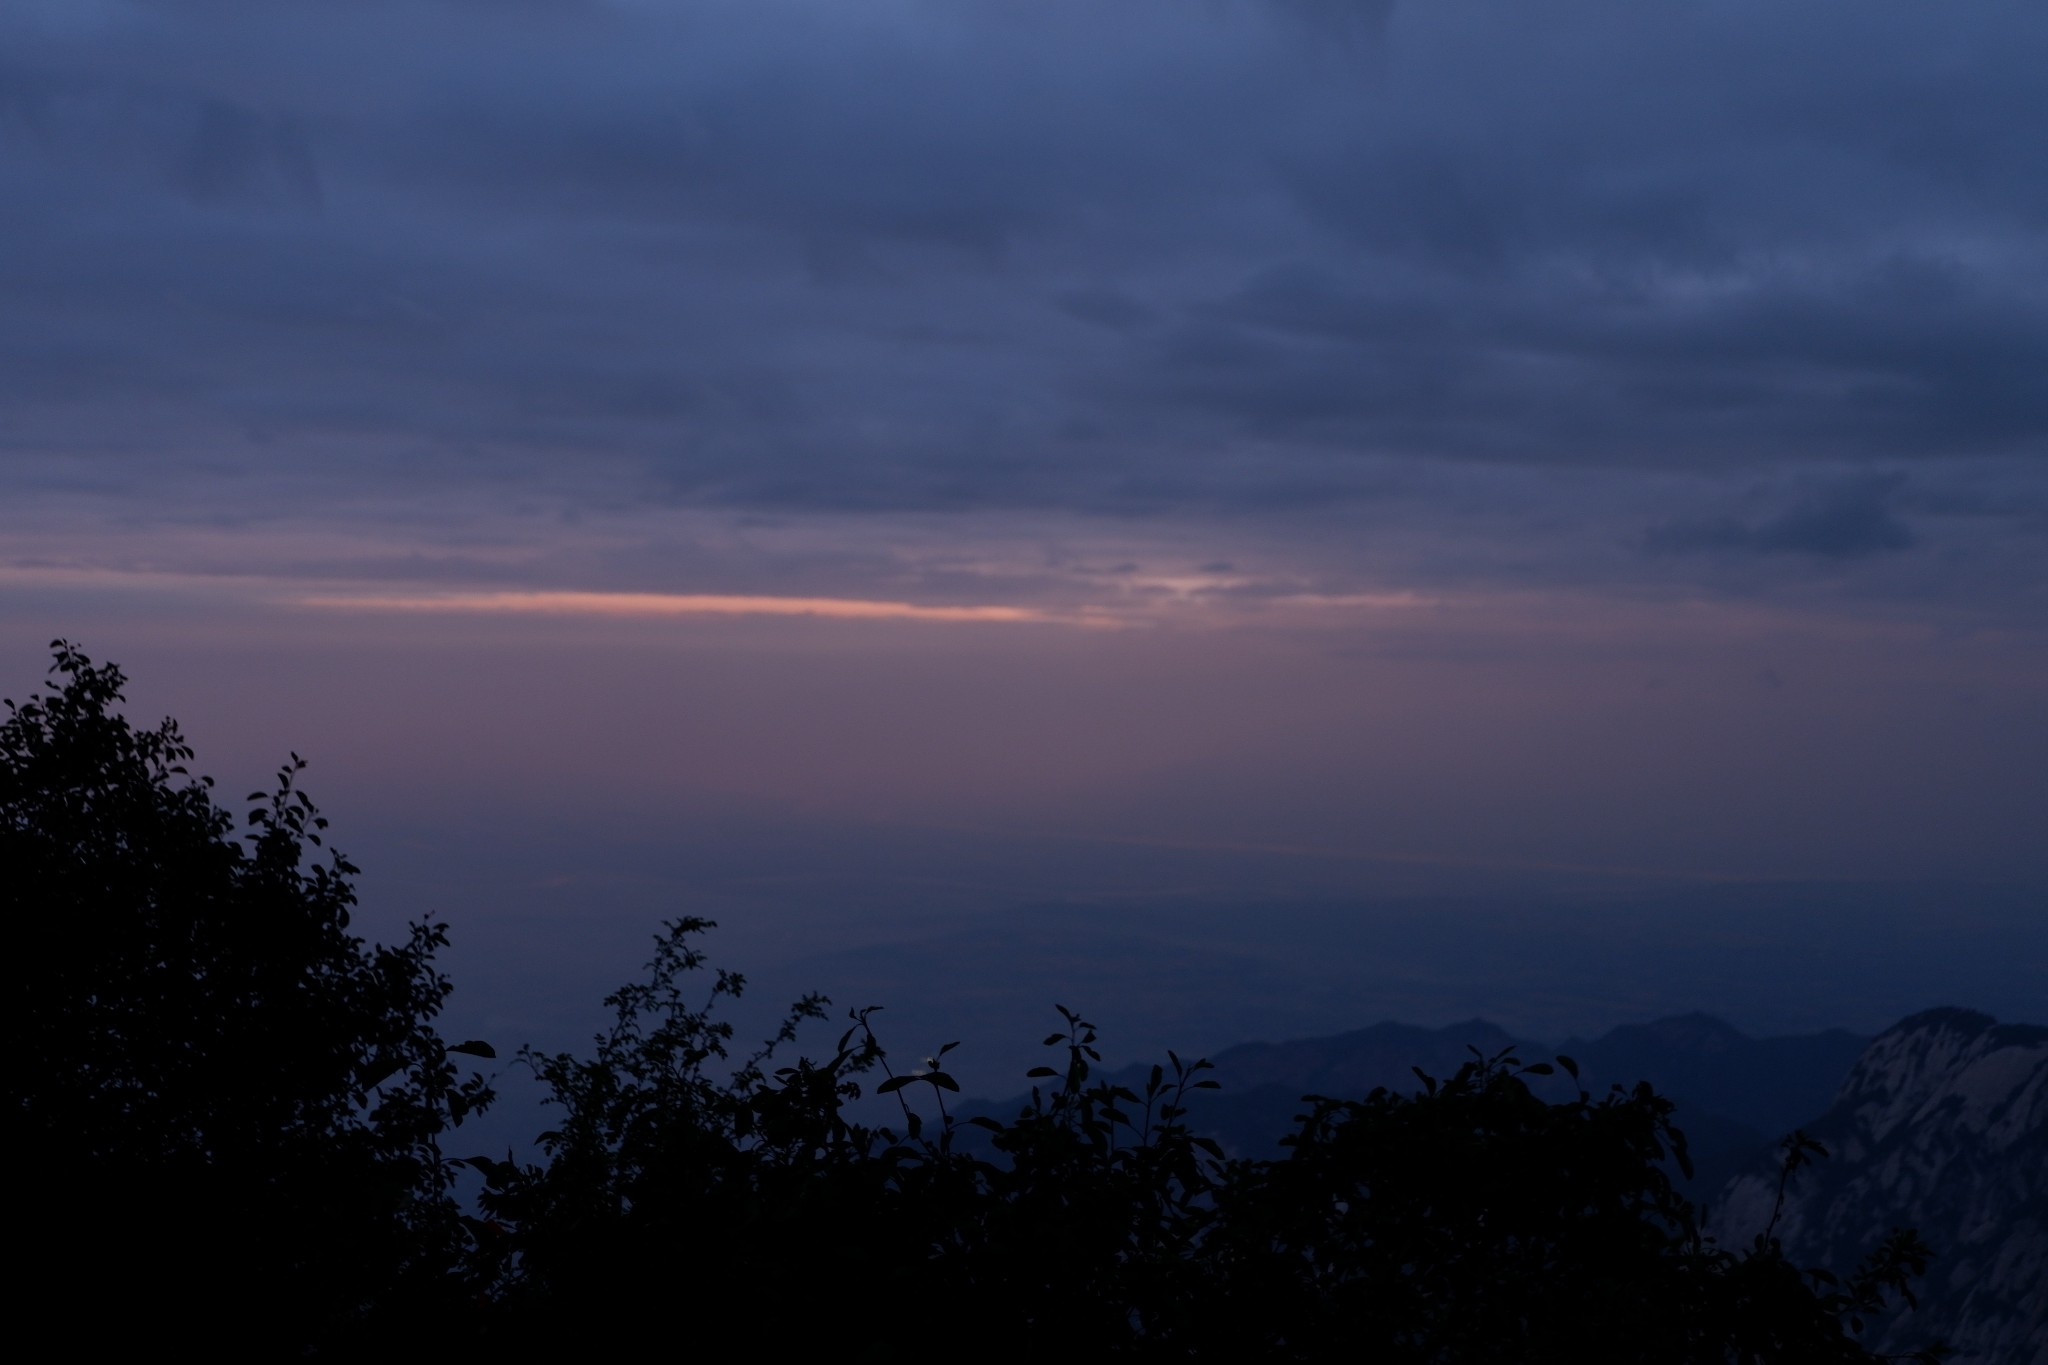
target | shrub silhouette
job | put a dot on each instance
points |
(226, 1107)
(1471, 1221)
(229, 1113)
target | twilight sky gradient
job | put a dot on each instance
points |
(1564, 440)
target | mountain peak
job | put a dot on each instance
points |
(1705, 1034)
(1952, 1017)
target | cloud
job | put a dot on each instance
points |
(1851, 519)
(1333, 278)
(238, 153)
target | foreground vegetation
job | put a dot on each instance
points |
(234, 1114)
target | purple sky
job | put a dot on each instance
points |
(1392, 440)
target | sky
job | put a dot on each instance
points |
(869, 464)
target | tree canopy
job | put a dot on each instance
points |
(230, 1105)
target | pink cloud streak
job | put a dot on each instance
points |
(680, 604)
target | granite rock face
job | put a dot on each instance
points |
(1942, 1125)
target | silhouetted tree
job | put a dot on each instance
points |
(1471, 1221)
(225, 1106)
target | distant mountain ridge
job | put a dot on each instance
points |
(1765, 1084)
(1942, 1126)
(1735, 1094)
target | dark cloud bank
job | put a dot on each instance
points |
(1772, 272)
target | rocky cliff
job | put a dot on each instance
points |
(1942, 1125)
